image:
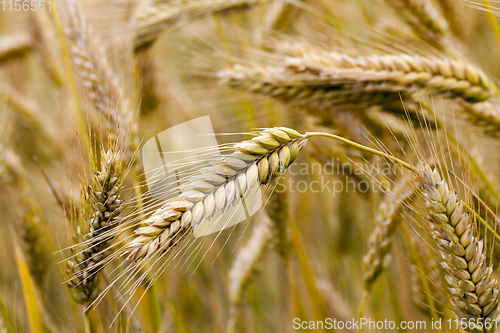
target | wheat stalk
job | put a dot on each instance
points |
(271, 230)
(3, 327)
(473, 290)
(381, 238)
(336, 302)
(152, 20)
(14, 46)
(216, 189)
(246, 266)
(102, 207)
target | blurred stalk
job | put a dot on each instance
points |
(493, 20)
(321, 309)
(28, 287)
(421, 272)
(6, 318)
(149, 309)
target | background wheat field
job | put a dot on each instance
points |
(370, 129)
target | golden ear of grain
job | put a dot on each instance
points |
(103, 206)
(473, 290)
(255, 161)
(323, 80)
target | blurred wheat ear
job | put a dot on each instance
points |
(153, 19)
(381, 238)
(426, 19)
(14, 46)
(323, 80)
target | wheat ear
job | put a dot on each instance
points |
(14, 46)
(323, 80)
(102, 207)
(34, 241)
(277, 209)
(425, 19)
(30, 230)
(381, 239)
(217, 188)
(473, 291)
(152, 20)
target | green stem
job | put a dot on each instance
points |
(400, 162)
(493, 20)
(362, 147)
(362, 306)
